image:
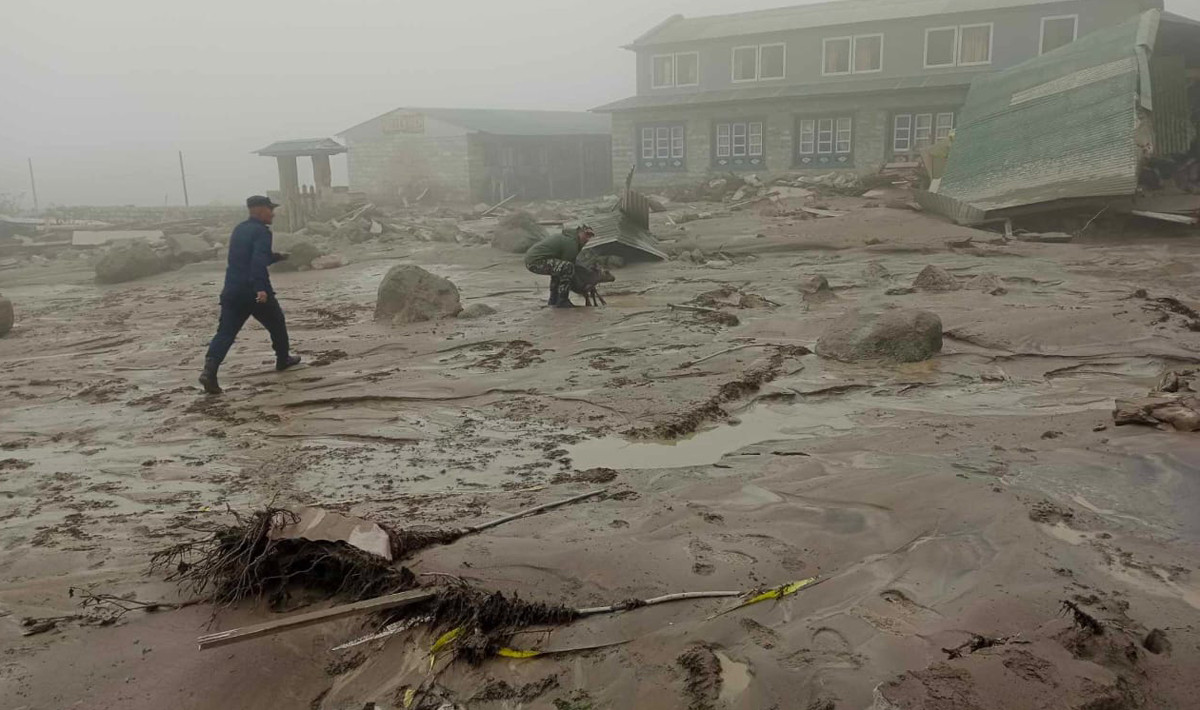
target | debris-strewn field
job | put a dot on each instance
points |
(969, 531)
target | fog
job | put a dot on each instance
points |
(101, 95)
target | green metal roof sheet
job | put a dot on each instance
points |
(1057, 127)
(303, 146)
(506, 122)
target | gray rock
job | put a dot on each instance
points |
(352, 232)
(477, 310)
(328, 261)
(935, 278)
(900, 335)
(190, 248)
(128, 261)
(988, 283)
(301, 252)
(875, 272)
(517, 233)
(410, 294)
(816, 290)
(6, 316)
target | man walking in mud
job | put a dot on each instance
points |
(248, 292)
(555, 257)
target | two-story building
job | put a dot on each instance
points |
(844, 85)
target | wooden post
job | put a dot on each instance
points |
(183, 176)
(33, 186)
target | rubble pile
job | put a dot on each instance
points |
(1173, 404)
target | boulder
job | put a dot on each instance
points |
(6, 316)
(935, 278)
(128, 261)
(900, 335)
(988, 283)
(190, 248)
(352, 232)
(875, 272)
(301, 253)
(410, 294)
(517, 233)
(477, 310)
(445, 230)
(816, 290)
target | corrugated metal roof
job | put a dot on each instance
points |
(618, 235)
(1060, 126)
(303, 146)
(507, 122)
(825, 14)
(848, 86)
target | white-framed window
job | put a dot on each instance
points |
(671, 70)
(687, 69)
(941, 47)
(961, 46)
(824, 141)
(836, 55)
(663, 147)
(1058, 31)
(772, 61)
(861, 54)
(913, 131)
(739, 144)
(745, 64)
(759, 62)
(975, 44)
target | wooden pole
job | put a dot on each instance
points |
(296, 621)
(183, 176)
(33, 185)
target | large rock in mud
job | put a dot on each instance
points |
(410, 294)
(190, 248)
(935, 278)
(6, 316)
(128, 261)
(816, 290)
(900, 335)
(517, 233)
(301, 252)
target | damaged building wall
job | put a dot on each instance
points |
(871, 132)
(406, 152)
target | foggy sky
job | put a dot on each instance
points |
(102, 93)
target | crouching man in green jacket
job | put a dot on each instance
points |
(555, 257)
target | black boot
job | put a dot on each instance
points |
(553, 293)
(564, 301)
(282, 364)
(208, 378)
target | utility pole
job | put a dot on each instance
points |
(183, 176)
(33, 184)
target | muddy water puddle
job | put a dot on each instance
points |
(808, 417)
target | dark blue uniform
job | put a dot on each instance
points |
(246, 275)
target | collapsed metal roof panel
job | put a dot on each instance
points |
(1057, 127)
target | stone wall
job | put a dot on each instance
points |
(382, 165)
(871, 133)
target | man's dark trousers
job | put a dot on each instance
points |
(234, 312)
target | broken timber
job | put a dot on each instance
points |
(499, 204)
(270, 628)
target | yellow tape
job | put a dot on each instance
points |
(445, 640)
(780, 592)
(409, 696)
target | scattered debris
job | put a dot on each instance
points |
(978, 643)
(1156, 642)
(328, 261)
(704, 679)
(1082, 619)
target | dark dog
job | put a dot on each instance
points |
(585, 281)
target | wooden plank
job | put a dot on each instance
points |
(821, 213)
(1166, 217)
(297, 621)
(499, 204)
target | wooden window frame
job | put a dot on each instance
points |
(829, 139)
(676, 69)
(825, 56)
(728, 140)
(1042, 34)
(667, 141)
(733, 64)
(854, 54)
(938, 122)
(991, 44)
(783, 66)
(654, 71)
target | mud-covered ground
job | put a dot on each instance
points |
(969, 495)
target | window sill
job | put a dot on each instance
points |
(806, 162)
(661, 166)
(757, 163)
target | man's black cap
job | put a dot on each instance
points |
(259, 201)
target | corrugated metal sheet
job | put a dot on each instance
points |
(617, 234)
(856, 86)
(826, 14)
(1060, 126)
